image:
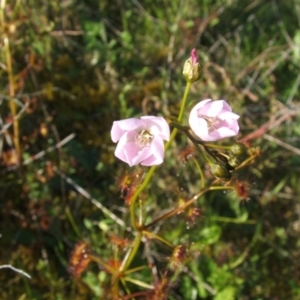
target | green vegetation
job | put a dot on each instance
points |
(68, 69)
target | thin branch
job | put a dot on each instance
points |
(281, 143)
(6, 126)
(50, 149)
(85, 194)
(260, 131)
(40, 93)
(66, 32)
(16, 270)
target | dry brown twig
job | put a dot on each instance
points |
(284, 115)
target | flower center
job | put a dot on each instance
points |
(212, 123)
(143, 139)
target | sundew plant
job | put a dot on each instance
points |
(149, 150)
(145, 261)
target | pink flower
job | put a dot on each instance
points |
(140, 141)
(213, 120)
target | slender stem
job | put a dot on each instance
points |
(176, 210)
(155, 236)
(184, 100)
(136, 194)
(215, 188)
(214, 146)
(139, 283)
(72, 221)
(247, 161)
(153, 168)
(2, 6)
(186, 204)
(244, 254)
(231, 220)
(12, 104)
(164, 216)
(98, 260)
(132, 252)
(200, 172)
(115, 286)
(135, 270)
(125, 286)
(215, 156)
(179, 127)
(196, 142)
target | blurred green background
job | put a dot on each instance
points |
(79, 65)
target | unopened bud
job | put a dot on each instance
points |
(220, 171)
(191, 68)
(238, 150)
(234, 161)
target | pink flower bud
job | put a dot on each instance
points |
(213, 120)
(194, 57)
(191, 68)
(140, 141)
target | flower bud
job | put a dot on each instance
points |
(234, 161)
(220, 171)
(191, 68)
(238, 150)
